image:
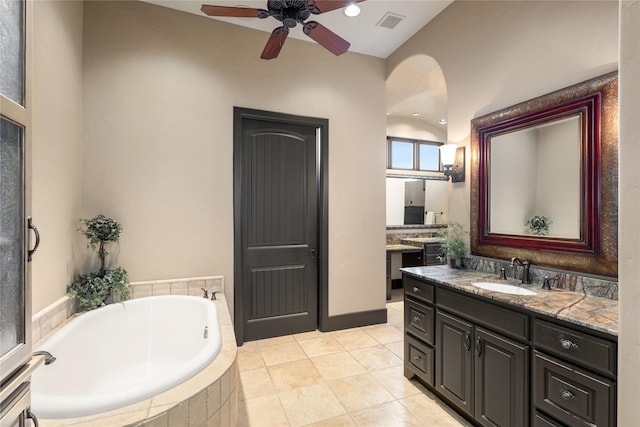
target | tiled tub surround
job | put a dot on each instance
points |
(208, 398)
(592, 312)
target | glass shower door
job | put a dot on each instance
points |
(12, 246)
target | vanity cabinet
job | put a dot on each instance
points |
(507, 366)
(574, 375)
(419, 318)
(480, 371)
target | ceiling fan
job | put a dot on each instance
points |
(291, 13)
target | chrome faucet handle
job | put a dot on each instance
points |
(206, 293)
(213, 295)
(503, 274)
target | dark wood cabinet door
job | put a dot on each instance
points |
(454, 358)
(500, 380)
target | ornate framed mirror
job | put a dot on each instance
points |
(544, 179)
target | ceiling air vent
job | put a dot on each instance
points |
(390, 20)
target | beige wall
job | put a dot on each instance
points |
(57, 147)
(159, 92)
(629, 191)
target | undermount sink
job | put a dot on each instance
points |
(504, 288)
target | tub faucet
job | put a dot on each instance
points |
(525, 268)
(48, 357)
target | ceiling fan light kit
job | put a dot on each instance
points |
(291, 13)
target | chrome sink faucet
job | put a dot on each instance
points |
(525, 268)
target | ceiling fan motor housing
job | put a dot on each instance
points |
(289, 12)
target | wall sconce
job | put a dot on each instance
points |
(453, 162)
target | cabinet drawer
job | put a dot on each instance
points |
(541, 420)
(577, 347)
(419, 359)
(418, 289)
(508, 322)
(434, 260)
(573, 396)
(433, 248)
(418, 320)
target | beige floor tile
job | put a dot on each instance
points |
(292, 375)
(338, 365)
(385, 333)
(390, 414)
(275, 340)
(265, 411)
(355, 339)
(321, 346)
(282, 353)
(377, 357)
(250, 359)
(398, 306)
(307, 335)
(359, 392)
(394, 381)
(310, 404)
(339, 421)
(395, 318)
(255, 383)
(396, 348)
(425, 406)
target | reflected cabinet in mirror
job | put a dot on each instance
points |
(544, 179)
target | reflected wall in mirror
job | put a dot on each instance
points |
(553, 157)
(535, 178)
(416, 201)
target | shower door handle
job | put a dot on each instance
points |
(30, 252)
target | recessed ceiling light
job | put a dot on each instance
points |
(416, 114)
(352, 10)
(442, 121)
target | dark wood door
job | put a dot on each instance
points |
(501, 386)
(277, 227)
(454, 360)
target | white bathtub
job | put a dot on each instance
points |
(124, 353)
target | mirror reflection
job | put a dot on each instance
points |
(416, 201)
(534, 180)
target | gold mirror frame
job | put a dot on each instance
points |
(602, 258)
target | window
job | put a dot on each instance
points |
(413, 154)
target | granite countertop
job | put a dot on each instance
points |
(600, 314)
(418, 241)
(403, 248)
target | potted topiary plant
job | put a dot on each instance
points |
(454, 248)
(99, 288)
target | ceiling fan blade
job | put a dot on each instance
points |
(322, 6)
(239, 12)
(325, 37)
(275, 43)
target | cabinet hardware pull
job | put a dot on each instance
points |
(478, 346)
(467, 341)
(416, 289)
(416, 319)
(417, 358)
(567, 395)
(567, 344)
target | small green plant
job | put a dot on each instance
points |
(539, 225)
(453, 246)
(96, 289)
